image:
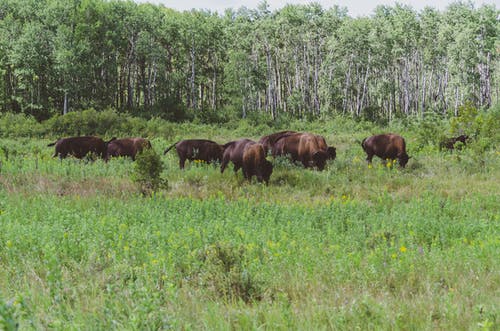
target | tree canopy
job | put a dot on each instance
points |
(303, 60)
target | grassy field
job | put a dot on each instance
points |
(352, 247)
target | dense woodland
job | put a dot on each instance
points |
(58, 56)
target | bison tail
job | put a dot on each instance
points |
(51, 144)
(363, 143)
(169, 148)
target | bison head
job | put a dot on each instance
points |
(403, 160)
(319, 159)
(267, 170)
(332, 153)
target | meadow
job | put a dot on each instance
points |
(351, 247)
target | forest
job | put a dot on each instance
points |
(300, 61)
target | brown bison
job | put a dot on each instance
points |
(386, 146)
(309, 149)
(197, 149)
(269, 140)
(80, 146)
(450, 142)
(233, 151)
(255, 163)
(127, 147)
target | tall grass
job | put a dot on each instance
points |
(352, 247)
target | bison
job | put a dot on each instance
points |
(127, 147)
(233, 151)
(310, 149)
(197, 149)
(450, 142)
(80, 146)
(386, 146)
(255, 163)
(269, 140)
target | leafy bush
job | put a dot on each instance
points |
(19, 125)
(225, 272)
(429, 131)
(7, 316)
(465, 122)
(86, 122)
(147, 172)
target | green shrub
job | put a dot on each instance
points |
(19, 125)
(225, 273)
(7, 316)
(429, 131)
(147, 172)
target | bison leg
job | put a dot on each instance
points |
(236, 167)
(369, 158)
(182, 162)
(245, 172)
(224, 163)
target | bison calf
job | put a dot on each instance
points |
(197, 149)
(80, 146)
(386, 146)
(450, 142)
(255, 163)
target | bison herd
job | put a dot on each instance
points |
(311, 150)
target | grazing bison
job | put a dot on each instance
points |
(450, 142)
(197, 149)
(233, 151)
(269, 140)
(310, 149)
(127, 147)
(386, 146)
(80, 146)
(255, 163)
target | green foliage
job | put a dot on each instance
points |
(148, 168)
(19, 125)
(299, 61)
(430, 131)
(224, 271)
(346, 248)
(87, 122)
(465, 122)
(8, 320)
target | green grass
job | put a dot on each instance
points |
(351, 247)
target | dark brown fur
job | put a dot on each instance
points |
(309, 149)
(127, 147)
(197, 149)
(255, 163)
(269, 140)
(80, 146)
(450, 142)
(233, 151)
(330, 150)
(386, 146)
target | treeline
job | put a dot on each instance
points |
(65, 55)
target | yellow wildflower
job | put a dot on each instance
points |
(402, 249)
